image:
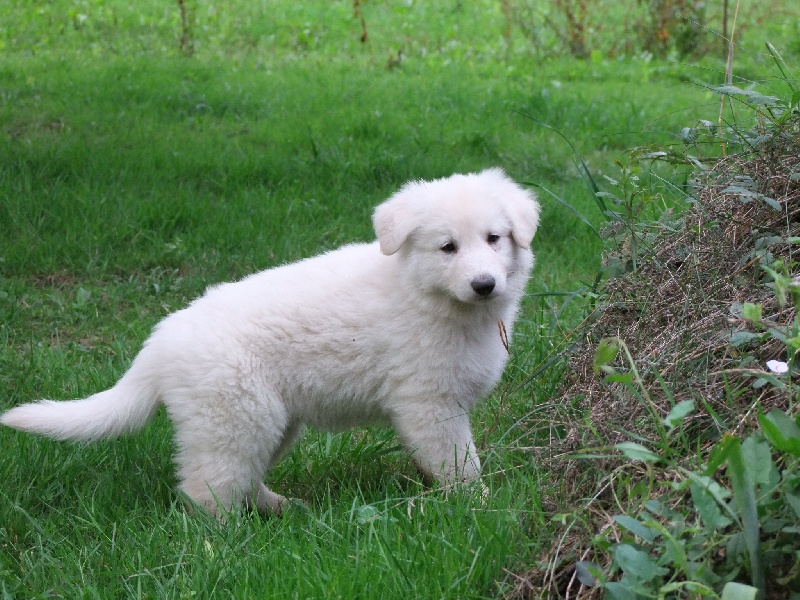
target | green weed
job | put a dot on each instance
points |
(705, 530)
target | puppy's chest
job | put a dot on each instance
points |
(351, 368)
(366, 368)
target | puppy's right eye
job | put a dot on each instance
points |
(449, 248)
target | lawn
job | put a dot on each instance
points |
(136, 170)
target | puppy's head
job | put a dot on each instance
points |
(467, 236)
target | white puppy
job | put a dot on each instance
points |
(409, 331)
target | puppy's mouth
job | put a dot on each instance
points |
(480, 299)
(483, 299)
(471, 299)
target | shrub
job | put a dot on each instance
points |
(659, 28)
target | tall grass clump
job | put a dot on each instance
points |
(684, 439)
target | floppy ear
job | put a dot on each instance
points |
(520, 206)
(523, 210)
(397, 218)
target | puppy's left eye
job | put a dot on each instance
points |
(449, 248)
(492, 238)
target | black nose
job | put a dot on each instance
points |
(483, 285)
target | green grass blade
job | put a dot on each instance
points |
(586, 173)
(573, 209)
(745, 498)
(781, 64)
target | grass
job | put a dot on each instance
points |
(132, 176)
(362, 549)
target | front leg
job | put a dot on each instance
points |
(439, 439)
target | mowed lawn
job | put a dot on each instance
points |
(133, 174)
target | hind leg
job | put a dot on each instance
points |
(264, 500)
(223, 481)
(261, 497)
(225, 447)
(290, 436)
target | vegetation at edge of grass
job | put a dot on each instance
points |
(132, 177)
(702, 499)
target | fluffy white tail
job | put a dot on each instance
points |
(124, 408)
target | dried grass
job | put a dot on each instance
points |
(674, 314)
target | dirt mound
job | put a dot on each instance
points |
(679, 313)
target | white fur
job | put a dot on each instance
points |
(389, 332)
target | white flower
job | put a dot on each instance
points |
(777, 366)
